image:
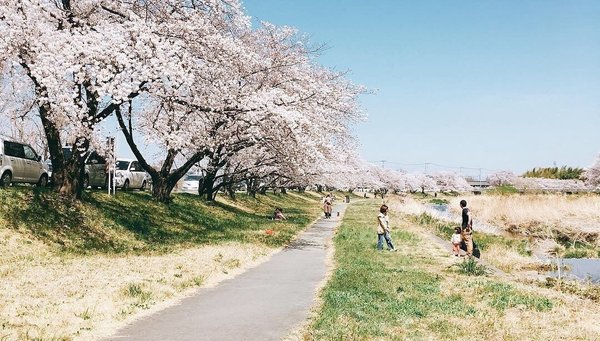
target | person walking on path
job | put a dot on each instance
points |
(327, 206)
(383, 229)
(467, 227)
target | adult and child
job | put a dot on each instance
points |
(464, 233)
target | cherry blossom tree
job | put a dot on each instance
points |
(81, 60)
(549, 185)
(293, 112)
(592, 175)
(451, 182)
(502, 178)
(190, 104)
(305, 109)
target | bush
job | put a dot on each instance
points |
(503, 190)
(437, 201)
(471, 267)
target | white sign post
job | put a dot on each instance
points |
(110, 142)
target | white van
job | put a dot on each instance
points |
(130, 174)
(20, 163)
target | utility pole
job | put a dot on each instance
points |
(480, 176)
(426, 167)
(383, 163)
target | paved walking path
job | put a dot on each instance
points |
(264, 303)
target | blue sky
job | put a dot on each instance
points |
(498, 85)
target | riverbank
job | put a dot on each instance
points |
(421, 292)
(80, 271)
(530, 260)
(572, 222)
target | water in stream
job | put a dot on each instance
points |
(443, 212)
(579, 269)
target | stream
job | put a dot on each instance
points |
(581, 269)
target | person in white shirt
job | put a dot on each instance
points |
(456, 240)
(383, 229)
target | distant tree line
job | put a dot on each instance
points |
(563, 173)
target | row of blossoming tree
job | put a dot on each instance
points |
(589, 181)
(196, 80)
(192, 77)
(372, 177)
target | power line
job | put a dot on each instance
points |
(427, 165)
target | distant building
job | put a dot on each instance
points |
(478, 183)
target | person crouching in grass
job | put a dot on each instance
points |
(383, 229)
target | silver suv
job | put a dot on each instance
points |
(95, 171)
(20, 163)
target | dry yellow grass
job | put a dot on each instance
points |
(577, 216)
(47, 296)
(510, 261)
(405, 205)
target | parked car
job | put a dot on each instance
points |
(130, 174)
(190, 183)
(48, 166)
(95, 168)
(20, 163)
(95, 171)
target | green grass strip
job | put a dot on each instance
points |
(372, 292)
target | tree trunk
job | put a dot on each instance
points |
(283, 190)
(207, 185)
(54, 147)
(74, 170)
(161, 189)
(72, 184)
(230, 190)
(251, 189)
(64, 174)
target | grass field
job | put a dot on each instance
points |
(421, 292)
(80, 270)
